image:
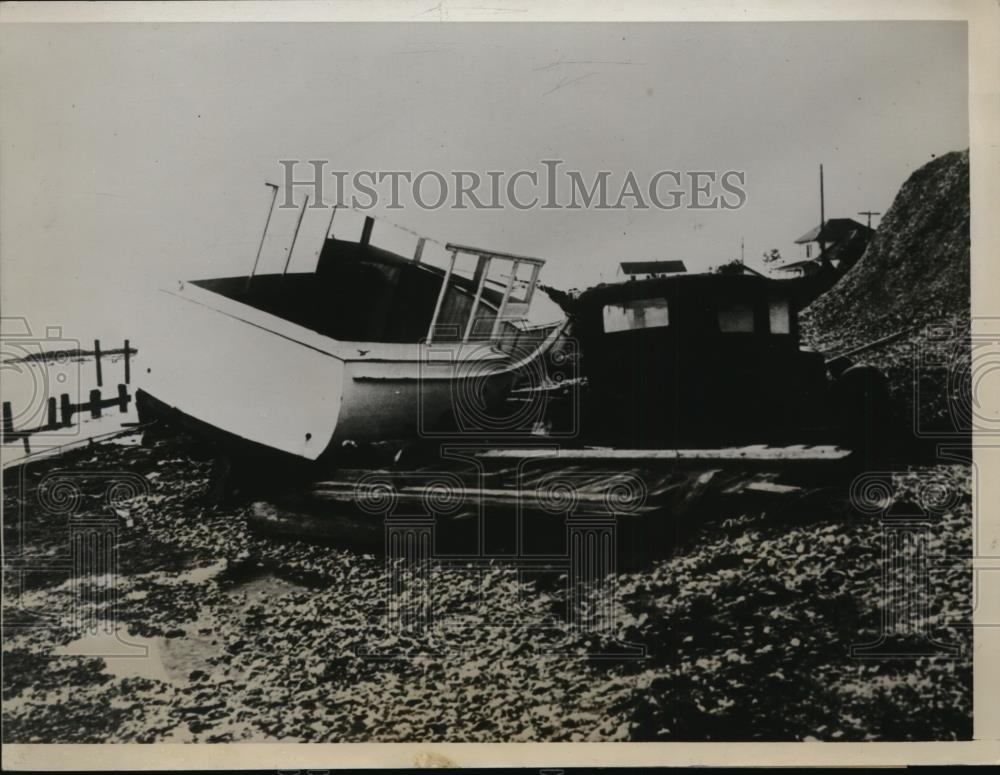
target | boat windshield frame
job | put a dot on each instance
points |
(510, 309)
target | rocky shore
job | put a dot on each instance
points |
(214, 632)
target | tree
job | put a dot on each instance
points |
(733, 267)
(772, 255)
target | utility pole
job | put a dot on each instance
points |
(869, 213)
(822, 222)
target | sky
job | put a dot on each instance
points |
(132, 155)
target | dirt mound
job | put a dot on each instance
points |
(914, 272)
(905, 306)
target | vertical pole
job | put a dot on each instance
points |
(533, 283)
(485, 262)
(53, 419)
(122, 398)
(440, 298)
(329, 226)
(420, 250)
(822, 219)
(95, 403)
(128, 370)
(65, 410)
(326, 235)
(502, 310)
(274, 197)
(8, 419)
(295, 236)
(366, 231)
(97, 360)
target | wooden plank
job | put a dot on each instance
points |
(773, 488)
(346, 493)
(756, 452)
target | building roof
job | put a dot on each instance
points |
(835, 230)
(652, 267)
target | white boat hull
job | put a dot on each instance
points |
(274, 383)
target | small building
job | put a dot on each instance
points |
(836, 244)
(646, 270)
(805, 268)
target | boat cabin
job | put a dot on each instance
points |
(701, 359)
(359, 292)
(713, 309)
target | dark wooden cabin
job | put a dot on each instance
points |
(696, 360)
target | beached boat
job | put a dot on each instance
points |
(712, 360)
(371, 346)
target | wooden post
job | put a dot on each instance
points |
(95, 403)
(27, 444)
(122, 398)
(53, 414)
(8, 419)
(97, 360)
(128, 371)
(420, 250)
(366, 231)
(65, 410)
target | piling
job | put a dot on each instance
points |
(128, 371)
(8, 419)
(65, 410)
(122, 398)
(95, 403)
(53, 413)
(97, 361)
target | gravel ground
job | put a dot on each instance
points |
(746, 628)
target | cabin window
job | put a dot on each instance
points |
(780, 316)
(632, 315)
(736, 318)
